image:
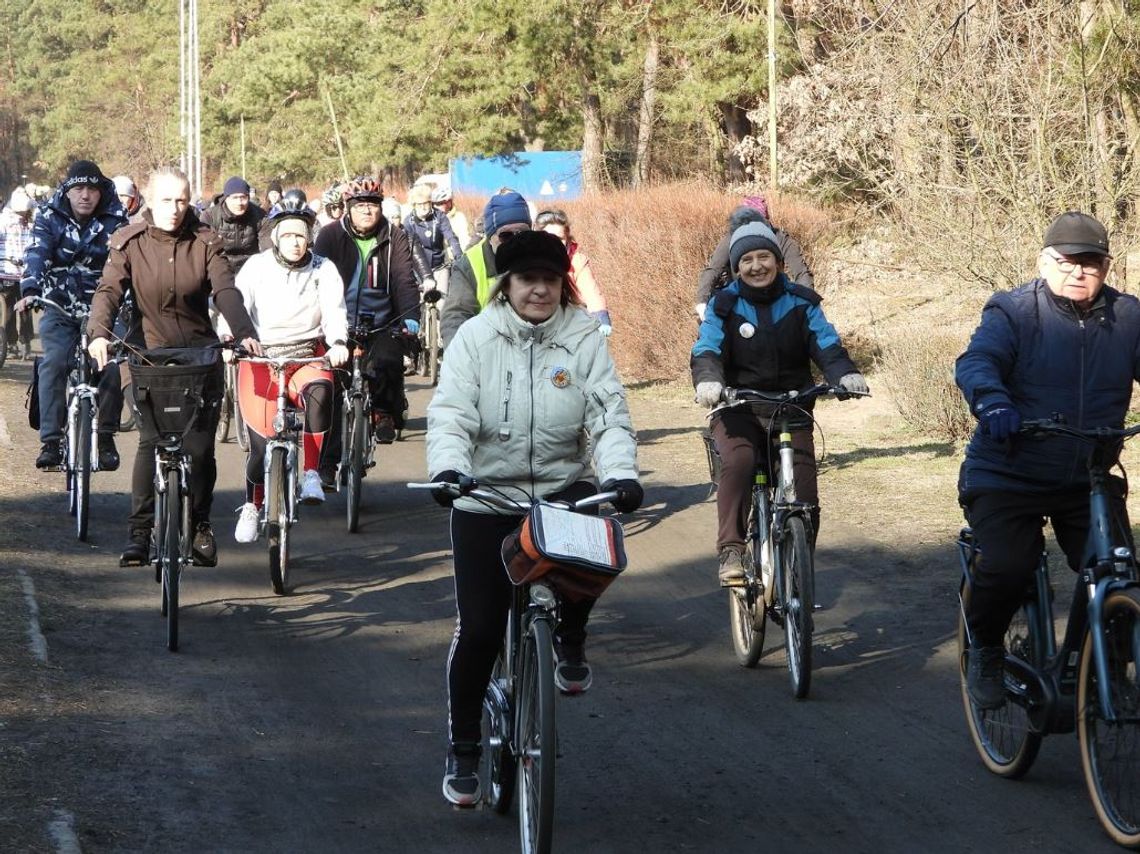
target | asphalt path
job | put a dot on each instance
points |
(316, 721)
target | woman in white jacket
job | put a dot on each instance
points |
(527, 399)
(296, 301)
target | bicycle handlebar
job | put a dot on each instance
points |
(468, 486)
(737, 397)
(278, 361)
(1051, 426)
(78, 310)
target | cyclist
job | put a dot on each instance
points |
(332, 206)
(173, 265)
(15, 236)
(481, 423)
(236, 220)
(1063, 344)
(505, 215)
(296, 302)
(762, 333)
(717, 274)
(374, 260)
(69, 247)
(432, 231)
(555, 221)
(443, 202)
(128, 193)
(272, 194)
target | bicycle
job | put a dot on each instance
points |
(230, 413)
(544, 565)
(172, 393)
(282, 462)
(779, 568)
(1091, 682)
(431, 343)
(21, 326)
(355, 425)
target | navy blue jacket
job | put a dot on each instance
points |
(1036, 352)
(745, 342)
(434, 235)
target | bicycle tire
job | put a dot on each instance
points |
(225, 416)
(433, 347)
(127, 419)
(537, 739)
(357, 436)
(81, 471)
(500, 764)
(747, 623)
(5, 312)
(172, 558)
(241, 431)
(1110, 752)
(277, 521)
(1004, 738)
(796, 566)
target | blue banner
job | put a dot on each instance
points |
(539, 175)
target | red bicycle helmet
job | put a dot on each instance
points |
(360, 189)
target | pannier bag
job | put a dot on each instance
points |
(578, 555)
(32, 399)
(176, 390)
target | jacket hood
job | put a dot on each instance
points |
(109, 204)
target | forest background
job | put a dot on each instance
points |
(930, 140)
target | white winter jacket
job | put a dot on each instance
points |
(529, 405)
(288, 306)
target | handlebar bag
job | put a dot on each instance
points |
(176, 390)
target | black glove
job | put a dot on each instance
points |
(629, 494)
(1000, 421)
(446, 498)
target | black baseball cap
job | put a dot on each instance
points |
(532, 250)
(1075, 233)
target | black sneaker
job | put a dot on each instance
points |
(731, 571)
(572, 675)
(384, 428)
(108, 453)
(461, 775)
(984, 677)
(137, 550)
(205, 548)
(51, 455)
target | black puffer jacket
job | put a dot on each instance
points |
(238, 233)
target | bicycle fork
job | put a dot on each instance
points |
(80, 392)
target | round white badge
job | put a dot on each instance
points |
(747, 330)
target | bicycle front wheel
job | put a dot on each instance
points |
(747, 621)
(5, 313)
(500, 764)
(1110, 750)
(81, 470)
(536, 739)
(277, 521)
(796, 566)
(433, 346)
(356, 438)
(1004, 737)
(172, 559)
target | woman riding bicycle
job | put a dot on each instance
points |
(296, 302)
(528, 386)
(761, 332)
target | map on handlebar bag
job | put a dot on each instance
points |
(564, 535)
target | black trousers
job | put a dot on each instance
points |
(483, 599)
(199, 444)
(1009, 530)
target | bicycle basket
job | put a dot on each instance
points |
(578, 555)
(176, 390)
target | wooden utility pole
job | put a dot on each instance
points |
(773, 167)
(336, 133)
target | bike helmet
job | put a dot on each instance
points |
(294, 196)
(441, 195)
(293, 205)
(331, 197)
(364, 188)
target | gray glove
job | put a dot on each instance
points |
(854, 383)
(708, 393)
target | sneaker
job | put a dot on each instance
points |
(137, 550)
(731, 571)
(328, 478)
(108, 453)
(984, 677)
(205, 548)
(51, 455)
(248, 518)
(461, 775)
(384, 428)
(572, 675)
(312, 492)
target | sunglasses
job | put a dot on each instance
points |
(504, 235)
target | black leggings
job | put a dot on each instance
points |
(483, 599)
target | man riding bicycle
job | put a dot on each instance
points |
(70, 239)
(431, 229)
(761, 332)
(1063, 345)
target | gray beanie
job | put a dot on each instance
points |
(750, 237)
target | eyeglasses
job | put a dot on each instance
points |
(366, 206)
(550, 218)
(1088, 264)
(505, 235)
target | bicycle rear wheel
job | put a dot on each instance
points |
(226, 411)
(536, 739)
(80, 474)
(796, 566)
(172, 558)
(356, 437)
(277, 521)
(500, 764)
(1110, 751)
(1004, 737)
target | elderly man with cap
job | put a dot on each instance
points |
(1064, 344)
(473, 274)
(237, 221)
(761, 332)
(63, 263)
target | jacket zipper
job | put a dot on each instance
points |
(530, 432)
(505, 425)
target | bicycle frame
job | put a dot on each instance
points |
(357, 389)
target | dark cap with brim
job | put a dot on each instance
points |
(532, 250)
(1076, 233)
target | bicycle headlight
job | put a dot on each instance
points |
(542, 596)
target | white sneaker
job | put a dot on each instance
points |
(246, 529)
(311, 490)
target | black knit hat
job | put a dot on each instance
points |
(532, 250)
(82, 172)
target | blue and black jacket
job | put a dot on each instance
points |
(1038, 353)
(767, 338)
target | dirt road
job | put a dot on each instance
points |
(315, 722)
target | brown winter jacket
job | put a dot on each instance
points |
(172, 277)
